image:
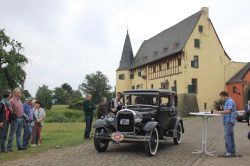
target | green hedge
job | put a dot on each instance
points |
(59, 114)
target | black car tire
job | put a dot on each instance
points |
(101, 145)
(151, 146)
(177, 140)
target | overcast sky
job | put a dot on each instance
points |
(66, 39)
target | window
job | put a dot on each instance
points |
(152, 86)
(235, 90)
(160, 67)
(137, 86)
(174, 88)
(197, 43)
(193, 87)
(154, 69)
(200, 28)
(122, 77)
(165, 85)
(165, 50)
(179, 62)
(205, 106)
(195, 62)
(131, 76)
(167, 65)
(175, 45)
(139, 73)
(133, 87)
(155, 53)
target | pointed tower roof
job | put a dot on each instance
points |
(127, 55)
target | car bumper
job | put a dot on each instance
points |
(128, 137)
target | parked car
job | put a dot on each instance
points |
(148, 116)
(241, 115)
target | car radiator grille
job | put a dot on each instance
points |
(125, 122)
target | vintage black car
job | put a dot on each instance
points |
(148, 116)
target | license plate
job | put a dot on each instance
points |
(117, 137)
(124, 122)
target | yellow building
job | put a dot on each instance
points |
(187, 58)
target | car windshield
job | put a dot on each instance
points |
(141, 99)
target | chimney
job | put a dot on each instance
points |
(205, 11)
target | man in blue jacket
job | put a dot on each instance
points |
(28, 119)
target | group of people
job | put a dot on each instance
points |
(21, 119)
(102, 109)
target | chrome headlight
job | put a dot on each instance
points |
(110, 117)
(138, 118)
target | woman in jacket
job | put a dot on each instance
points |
(39, 115)
(5, 109)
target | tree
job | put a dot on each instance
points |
(26, 93)
(12, 62)
(65, 94)
(67, 88)
(96, 84)
(60, 96)
(44, 94)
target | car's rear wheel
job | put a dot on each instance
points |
(101, 145)
(151, 146)
(178, 138)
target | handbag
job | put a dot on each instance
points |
(248, 135)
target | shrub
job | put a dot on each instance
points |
(76, 104)
(61, 114)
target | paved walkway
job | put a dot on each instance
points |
(132, 154)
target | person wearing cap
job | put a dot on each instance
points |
(5, 109)
(28, 119)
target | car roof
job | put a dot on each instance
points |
(149, 91)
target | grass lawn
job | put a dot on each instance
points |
(54, 135)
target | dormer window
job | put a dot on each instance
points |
(175, 45)
(165, 50)
(155, 53)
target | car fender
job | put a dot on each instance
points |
(150, 126)
(178, 120)
(100, 123)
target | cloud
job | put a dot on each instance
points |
(66, 39)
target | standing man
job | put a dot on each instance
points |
(29, 114)
(247, 110)
(229, 114)
(116, 104)
(17, 122)
(5, 109)
(88, 109)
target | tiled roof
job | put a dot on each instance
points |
(239, 76)
(166, 43)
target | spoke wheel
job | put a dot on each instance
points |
(151, 146)
(178, 138)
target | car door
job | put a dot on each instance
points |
(165, 110)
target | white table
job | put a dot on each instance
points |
(205, 116)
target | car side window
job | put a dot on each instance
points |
(165, 102)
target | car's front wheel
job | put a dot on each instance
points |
(178, 138)
(101, 145)
(151, 146)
